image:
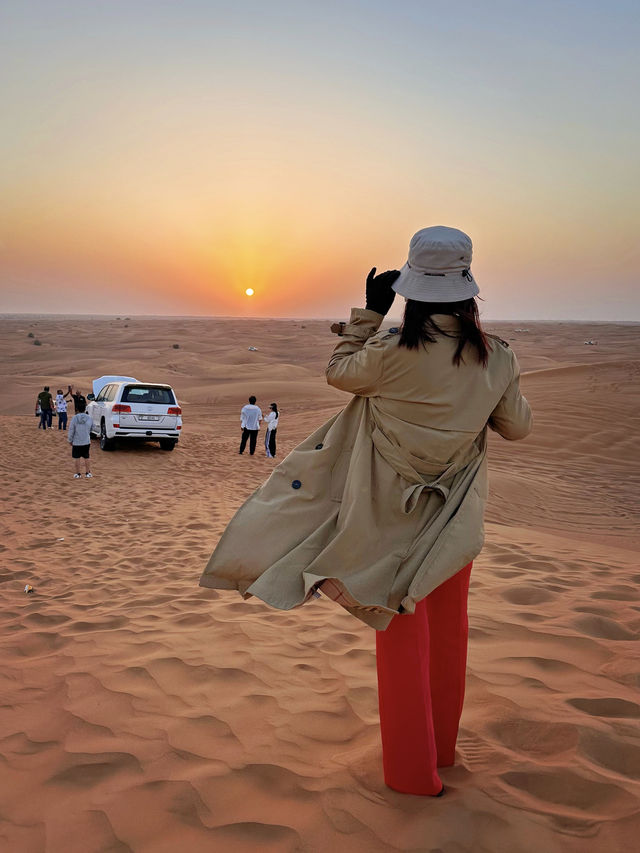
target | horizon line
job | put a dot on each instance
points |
(8, 314)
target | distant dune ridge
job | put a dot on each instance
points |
(142, 713)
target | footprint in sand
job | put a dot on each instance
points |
(609, 707)
(616, 754)
(529, 616)
(567, 794)
(475, 752)
(620, 593)
(535, 737)
(603, 628)
(328, 726)
(86, 769)
(526, 594)
(252, 834)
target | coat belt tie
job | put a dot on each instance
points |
(410, 496)
(402, 465)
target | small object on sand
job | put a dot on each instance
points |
(60, 539)
(28, 588)
(253, 349)
(590, 343)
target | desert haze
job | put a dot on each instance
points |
(142, 713)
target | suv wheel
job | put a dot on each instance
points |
(168, 443)
(105, 442)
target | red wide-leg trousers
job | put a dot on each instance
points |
(421, 662)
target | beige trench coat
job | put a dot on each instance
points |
(385, 501)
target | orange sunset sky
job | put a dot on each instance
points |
(160, 157)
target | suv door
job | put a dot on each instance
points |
(98, 408)
(111, 394)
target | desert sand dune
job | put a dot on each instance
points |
(142, 713)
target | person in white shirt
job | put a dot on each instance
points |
(250, 418)
(61, 408)
(271, 421)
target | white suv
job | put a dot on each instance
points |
(123, 408)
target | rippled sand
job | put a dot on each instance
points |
(140, 712)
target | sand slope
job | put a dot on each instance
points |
(140, 712)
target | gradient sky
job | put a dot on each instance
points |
(160, 157)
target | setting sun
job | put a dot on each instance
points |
(249, 291)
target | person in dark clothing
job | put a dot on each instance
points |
(79, 400)
(45, 401)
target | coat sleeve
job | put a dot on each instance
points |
(353, 366)
(512, 418)
(72, 430)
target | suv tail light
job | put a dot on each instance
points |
(174, 410)
(119, 407)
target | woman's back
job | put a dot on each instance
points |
(426, 404)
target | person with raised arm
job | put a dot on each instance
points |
(381, 509)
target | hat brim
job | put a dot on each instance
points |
(450, 287)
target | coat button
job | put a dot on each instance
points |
(296, 484)
(319, 446)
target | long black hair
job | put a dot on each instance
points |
(274, 408)
(419, 327)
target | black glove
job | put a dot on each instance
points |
(380, 296)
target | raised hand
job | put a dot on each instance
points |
(380, 296)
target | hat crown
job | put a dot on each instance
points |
(439, 250)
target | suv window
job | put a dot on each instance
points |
(102, 396)
(148, 394)
(111, 393)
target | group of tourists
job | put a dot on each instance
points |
(250, 418)
(79, 432)
(48, 406)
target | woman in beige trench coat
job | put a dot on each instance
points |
(382, 507)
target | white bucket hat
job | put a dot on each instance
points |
(438, 268)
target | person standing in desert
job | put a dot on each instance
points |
(45, 401)
(79, 400)
(250, 417)
(80, 440)
(382, 507)
(61, 409)
(271, 423)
